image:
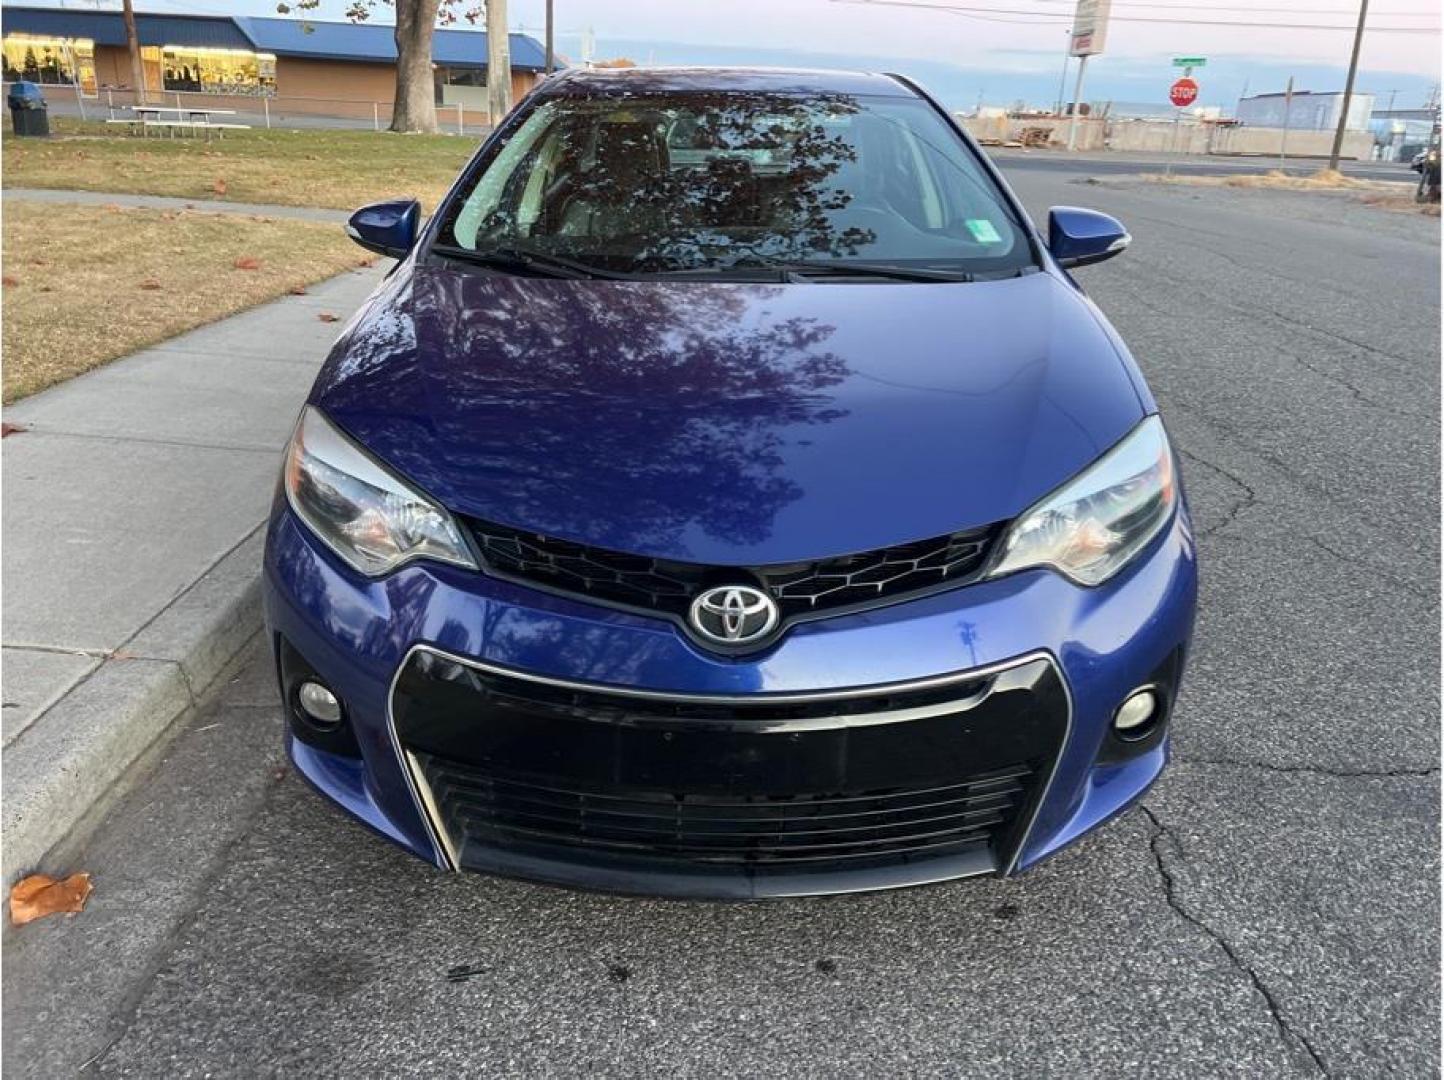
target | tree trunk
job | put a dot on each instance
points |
(498, 62)
(132, 44)
(415, 106)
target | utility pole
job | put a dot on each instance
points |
(1063, 78)
(498, 62)
(1077, 103)
(132, 44)
(551, 51)
(1349, 87)
(1284, 138)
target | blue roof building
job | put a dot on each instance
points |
(300, 60)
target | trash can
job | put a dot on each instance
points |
(28, 114)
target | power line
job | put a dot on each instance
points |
(1049, 18)
(1185, 7)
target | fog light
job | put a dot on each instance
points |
(1136, 716)
(319, 703)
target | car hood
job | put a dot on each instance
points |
(734, 424)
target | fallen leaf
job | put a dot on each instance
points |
(7, 429)
(39, 895)
(297, 290)
(219, 187)
(150, 284)
(248, 262)
(122, 654)
(326, 316)
(8, 280)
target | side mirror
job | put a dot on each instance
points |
(1079, 237)
(387, 228)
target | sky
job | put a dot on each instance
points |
(999, 51)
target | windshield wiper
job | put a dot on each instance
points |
(803, 270)
(534, 262)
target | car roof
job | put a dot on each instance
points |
(648, 80)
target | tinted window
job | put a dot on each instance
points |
(730, 180)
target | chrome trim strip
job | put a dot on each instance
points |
(430, 816)
(424, 805)
(1047, 788)
(428, 798)
(876, 690)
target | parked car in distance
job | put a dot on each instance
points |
(730, 493)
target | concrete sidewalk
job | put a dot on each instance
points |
(170, 202)
(133, 503)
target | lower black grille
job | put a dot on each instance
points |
(717, 795)
(741, 832)
(668, 586)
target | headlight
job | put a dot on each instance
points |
(369, 517)
(1092, 526)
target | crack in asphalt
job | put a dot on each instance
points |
(1315, 770)
(1359, 395)
(1250, 496)
(1170, 891)
(1304, 484)
(1409, 588)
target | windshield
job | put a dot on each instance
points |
(705, 181)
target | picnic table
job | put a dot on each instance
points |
(172, 119)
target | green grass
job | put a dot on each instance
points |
(86, 284)
(337, 169)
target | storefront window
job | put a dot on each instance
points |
(50, 61)
(219, 71)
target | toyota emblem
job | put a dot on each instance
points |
(733, 615)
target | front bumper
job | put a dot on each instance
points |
(498, 728)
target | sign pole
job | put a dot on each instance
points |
(1284, 138)
(1077, 102)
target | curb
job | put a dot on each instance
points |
(75, 756)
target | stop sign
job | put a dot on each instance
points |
(1183, 93)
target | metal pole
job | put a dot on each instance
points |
(1077, 95)
(266, 108)
(1349, 87)
(1063, 78)
(1284, 138)
(460, 123)
(551, 52)
(376, 116)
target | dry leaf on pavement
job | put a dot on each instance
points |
(39, 895)
(248, 262)
(326, 316)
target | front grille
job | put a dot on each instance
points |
(575, 781)
(668, 586)
(744, 832)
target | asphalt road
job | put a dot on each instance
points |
(1270, 910)
(1122, 164)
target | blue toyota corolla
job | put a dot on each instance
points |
(730, 493)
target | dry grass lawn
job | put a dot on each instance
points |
(337, 169)
(84, 285)
(1386, 195)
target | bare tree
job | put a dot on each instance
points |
(414, 107)
(498, 62)
(132, 44)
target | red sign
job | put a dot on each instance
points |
(1183, 93)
